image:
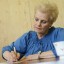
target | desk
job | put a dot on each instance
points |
(41, 61)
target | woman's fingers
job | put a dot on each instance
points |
(18, 55)
(14, 56)
(11, 56)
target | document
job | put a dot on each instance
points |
(59, 46)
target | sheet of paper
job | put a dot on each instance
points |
(59, 46)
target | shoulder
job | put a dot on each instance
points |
(29, 34)
(56, 30)
(59, 29)
(58, 34)
(25, 37)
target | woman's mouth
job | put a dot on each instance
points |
(38, 27)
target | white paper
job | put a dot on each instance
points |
(59, 46)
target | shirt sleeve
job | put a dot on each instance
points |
(54, 52)
(60, 36)
(19, 44)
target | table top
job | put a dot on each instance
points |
(40, 61)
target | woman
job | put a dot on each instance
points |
(38, 43)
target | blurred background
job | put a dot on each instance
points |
(17, 16)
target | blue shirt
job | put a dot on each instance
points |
(30, 44)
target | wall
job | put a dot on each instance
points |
(17, 16)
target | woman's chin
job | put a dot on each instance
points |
(38, 31)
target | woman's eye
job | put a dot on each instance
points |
(36, 19)
(43, 21)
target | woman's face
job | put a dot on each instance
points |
(42, 23)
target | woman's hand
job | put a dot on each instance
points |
(32, 57)
(48, 54)
(11, 56)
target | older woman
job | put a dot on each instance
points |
(38, 43)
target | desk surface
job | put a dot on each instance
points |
(41, 61)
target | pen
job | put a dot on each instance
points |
(14, 49)
(15, 52)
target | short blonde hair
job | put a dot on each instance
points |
(50, 8)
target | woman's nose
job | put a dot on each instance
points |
(39, 23)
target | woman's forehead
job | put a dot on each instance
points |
(41, 14)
